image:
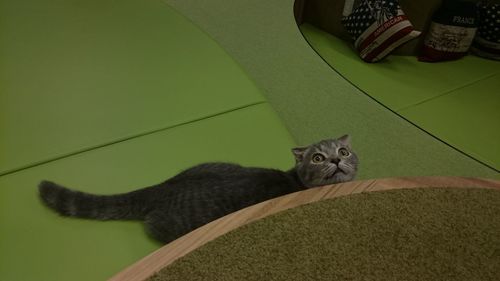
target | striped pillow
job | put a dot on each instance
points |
(378, 27)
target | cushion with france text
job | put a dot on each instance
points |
(452, 30)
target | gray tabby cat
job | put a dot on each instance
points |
(208, 191)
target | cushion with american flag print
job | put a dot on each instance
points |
(378, 27)
(487, 41)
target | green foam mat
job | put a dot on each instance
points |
(80, 74)
(398, 81)
(313, 100)
(37, 244)
(467, 118)
(456, 101)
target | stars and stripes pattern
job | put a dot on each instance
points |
(378, 27)
(489, 17)
(359, 20)
(487, 41)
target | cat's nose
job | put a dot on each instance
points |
(335, 161)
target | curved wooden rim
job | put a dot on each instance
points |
(164, 256)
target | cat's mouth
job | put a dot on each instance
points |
(337, 171)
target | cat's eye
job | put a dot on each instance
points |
(344, 152)
(318, 158)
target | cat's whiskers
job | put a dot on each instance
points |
(329, 170)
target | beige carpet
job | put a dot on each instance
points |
(412, 234)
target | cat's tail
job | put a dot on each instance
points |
(67, 202)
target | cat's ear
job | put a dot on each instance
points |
(299, 152)
(345, 140)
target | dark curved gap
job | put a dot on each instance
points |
(298, 5)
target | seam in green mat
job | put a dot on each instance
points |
(123, 139)
(446, 93)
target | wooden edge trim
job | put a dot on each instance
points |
(166, 255)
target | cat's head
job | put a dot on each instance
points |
(326, 162)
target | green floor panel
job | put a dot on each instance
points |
(398, 81)
(37, 244)
(466, 118)
(79, 74)
(455, 101)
